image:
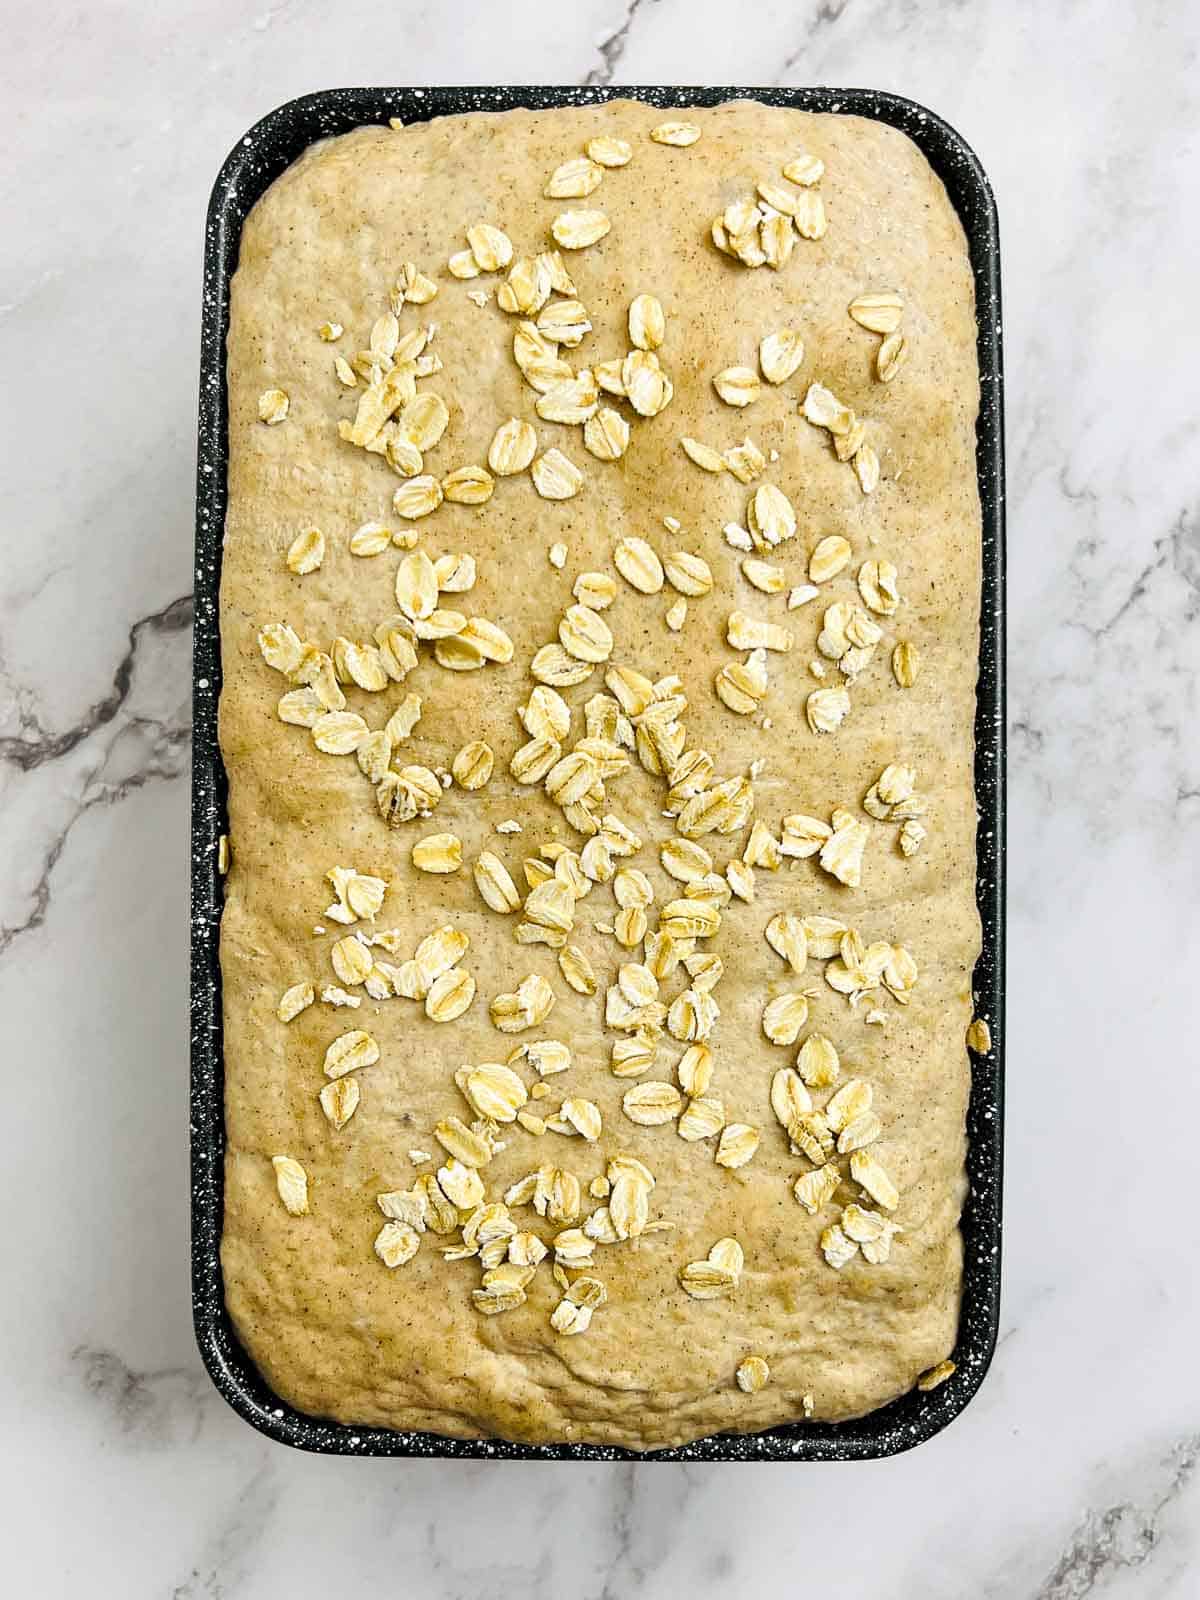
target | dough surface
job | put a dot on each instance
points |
(334, 1331)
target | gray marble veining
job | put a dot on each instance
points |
(1073, 1474)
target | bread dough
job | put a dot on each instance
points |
(334, 1332)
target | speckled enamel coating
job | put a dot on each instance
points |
(251, 168)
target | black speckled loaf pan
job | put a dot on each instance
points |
(256, 161)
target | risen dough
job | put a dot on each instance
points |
(335, 1332)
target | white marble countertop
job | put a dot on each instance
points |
(1074, 1472)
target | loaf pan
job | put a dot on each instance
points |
(269, 147)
